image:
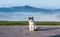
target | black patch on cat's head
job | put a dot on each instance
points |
(30, 18)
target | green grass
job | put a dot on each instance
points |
(12, 23)
(8, 23)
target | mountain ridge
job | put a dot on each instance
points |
(26, 9)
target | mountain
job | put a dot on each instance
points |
(20, 9)
(26, 9)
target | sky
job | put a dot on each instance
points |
(35, 3)
(16, 16)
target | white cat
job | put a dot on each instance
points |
(31, 24)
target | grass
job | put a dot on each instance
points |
(12, 23)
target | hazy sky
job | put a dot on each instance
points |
(35, 3)
(17, 16)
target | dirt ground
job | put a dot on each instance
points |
(23, 31)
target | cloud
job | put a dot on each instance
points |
(2, 15)
(23, 16)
